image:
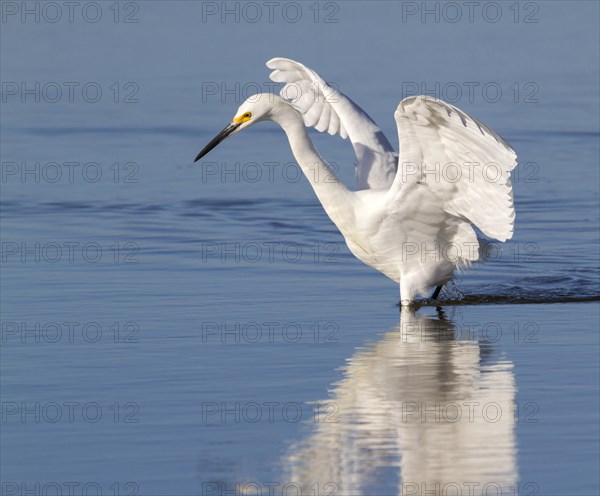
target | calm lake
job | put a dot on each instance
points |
(171, 328)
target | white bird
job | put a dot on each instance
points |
(412, 214)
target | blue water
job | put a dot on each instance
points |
(180, 329)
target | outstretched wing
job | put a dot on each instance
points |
(464, 163)
(326, 109)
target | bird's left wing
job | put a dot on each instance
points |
(464, 163)
(326, 109)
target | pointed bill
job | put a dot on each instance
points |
(228, 131)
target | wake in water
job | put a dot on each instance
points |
(511, 295)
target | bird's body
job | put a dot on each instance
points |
(412, 215)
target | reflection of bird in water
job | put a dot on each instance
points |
(421, 410)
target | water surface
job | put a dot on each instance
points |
(178, 329)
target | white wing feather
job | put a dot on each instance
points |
(326, 109)
(465, 164)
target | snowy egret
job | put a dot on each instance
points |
(413, 213)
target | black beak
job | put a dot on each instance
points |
(217, 139)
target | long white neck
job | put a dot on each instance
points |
(336, 199)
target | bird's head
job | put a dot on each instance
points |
(256, 108)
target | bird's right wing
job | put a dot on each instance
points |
(326, 109)
(462, 162)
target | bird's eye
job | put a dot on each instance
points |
(247, 115)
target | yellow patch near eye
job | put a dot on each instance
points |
(242, 118)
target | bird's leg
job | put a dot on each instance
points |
(407, 292)
(436, 293)
(407, 306)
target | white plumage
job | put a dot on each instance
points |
(326, 109)
(412, 214)
(464, 162)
